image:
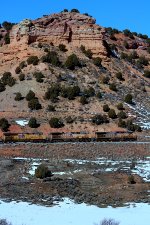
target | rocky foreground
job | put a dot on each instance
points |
(89, 182)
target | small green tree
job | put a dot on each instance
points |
(51, 57)
(122, 123)
(18, 96)
(11, 81)
(40, 45)
(17, 70)
(65, 10)
(39, 76)
(70, 92)
(128, 33)
(82, 47)
(33, 60)
(83, 100)
(143, 36)
(86, 14)
(120, 106)
(56, 122)
(137, 128)
(75, 10)
(106, 108)
(100, 119)
(1, 36)
(128, 99)
(112, 114)
(21, 77)
(72, 61)
(146, 73)
(30, 95)
(90, 92)
(131, 180)
(2, 87)
(42, 172)
(88, 53)
(34, 104)
(130, 125)
(119, 76)
(97, 61)
(46, 50)
(6, 77)
(51, 108)
(113, 87)
(4, 125)
(124, 55)
(7, 25)
(33, 122)
(22, 65)
(7, 39)
(122, 115)
(62, 48)
(53, 92)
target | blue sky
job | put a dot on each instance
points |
(121, 14)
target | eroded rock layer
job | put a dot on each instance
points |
(71, 29)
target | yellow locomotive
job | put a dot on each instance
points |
(23, 137)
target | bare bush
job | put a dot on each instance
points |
(109, 222)
(4, 222)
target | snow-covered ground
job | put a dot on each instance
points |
(22, 122)
(142, 114)
(69, 213)
(33, 168)
(141, 168)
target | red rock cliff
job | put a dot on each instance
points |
(71, 29)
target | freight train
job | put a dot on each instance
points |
(69, 137)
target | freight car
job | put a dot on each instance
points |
(82, 136)
(95, 136)
(71, 137)
(115, 136)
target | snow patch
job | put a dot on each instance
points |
(142, 167)
(22, 123)
(142, 115)
(69, 213)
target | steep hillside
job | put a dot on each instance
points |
(83, 90)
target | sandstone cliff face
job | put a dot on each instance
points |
(71, 29)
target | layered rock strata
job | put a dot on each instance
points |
(71, 29)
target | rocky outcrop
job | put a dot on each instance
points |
(71, 29)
